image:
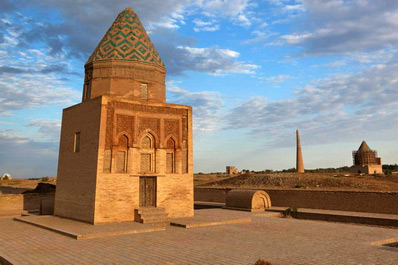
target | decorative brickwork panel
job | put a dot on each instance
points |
(185, 129)
(170, 163)
(121, 161)
(172, 127)
(125, 124)
(146, 163)
(107, 161)
(148, 109)
(109, 126)
(146, 143)
(150, 123)
(184, 162)
(144, 91)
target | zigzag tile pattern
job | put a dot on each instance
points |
(127, 40)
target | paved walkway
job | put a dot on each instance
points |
(278, 240)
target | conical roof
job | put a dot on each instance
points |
(126, 40)
(364, 147)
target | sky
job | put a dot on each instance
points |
(254, 71)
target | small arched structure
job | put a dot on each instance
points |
(248, 200)
(6, 176)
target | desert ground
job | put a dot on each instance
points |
(288, 180)
(292, 180)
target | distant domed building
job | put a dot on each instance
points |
(366, 161)
(6, 176)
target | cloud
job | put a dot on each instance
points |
(214, 8)
(48, 129)
(207, 106)
(77, 31)
(340, 108)
(201, 25)
(278, 79)
(213, 60)
(24, 158)
(344, 27)
(29, 91)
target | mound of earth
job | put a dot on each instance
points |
(42, 188)
(324, 181)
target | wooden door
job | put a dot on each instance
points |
(147, 191)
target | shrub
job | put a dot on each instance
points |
(45, 179)
(289, 211)
(262, 262)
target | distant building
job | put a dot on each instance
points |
(366, 161)
(6, 176)
(231, 170)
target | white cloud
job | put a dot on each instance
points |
(215, 61)
(206, 105)
(236, 10)
(344, 27)
(31, 91)
(341, 108)
(209, 26)
(278, 79)
(48, 129)
(209, 29)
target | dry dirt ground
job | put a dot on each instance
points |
(16, 186)
(313, 181)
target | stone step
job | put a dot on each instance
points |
(145, 210)
(151, 215)
(154, 217)
(155, 221)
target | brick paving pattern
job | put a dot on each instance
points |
(278, 240)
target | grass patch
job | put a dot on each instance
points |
(14, 183)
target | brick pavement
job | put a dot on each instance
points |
(279, 240)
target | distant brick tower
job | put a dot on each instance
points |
(299, 158)
(366, 160)
(124, 150)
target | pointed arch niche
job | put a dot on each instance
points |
(147, 148)
(171, 155)
(121, 154)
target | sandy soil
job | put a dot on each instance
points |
(16, 186)
(314, 181)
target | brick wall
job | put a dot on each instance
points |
(16, 202)
(376, 202)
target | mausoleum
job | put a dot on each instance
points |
(124, 151)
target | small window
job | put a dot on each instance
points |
(144, 91)
(77, 142)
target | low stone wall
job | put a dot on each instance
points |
(11, 202)
(357, 201)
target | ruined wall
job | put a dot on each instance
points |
(19, 202)
(376, 202)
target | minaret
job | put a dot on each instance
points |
(299, 159)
